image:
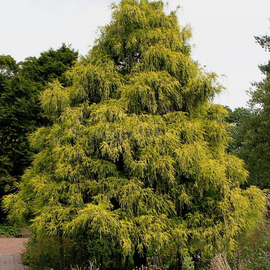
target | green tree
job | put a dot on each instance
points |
(135, 159)
(263, 41)
(251, 131)
(20, 111)
(237, 128)
(255, 132)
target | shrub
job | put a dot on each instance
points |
(188, 263)
(9, 230)
(254, 250)
(48, 252)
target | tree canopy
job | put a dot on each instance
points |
(20, 111)
(136, 153)
(251, 133)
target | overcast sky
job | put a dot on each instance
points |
(223, 34)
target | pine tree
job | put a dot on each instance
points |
(136, 156)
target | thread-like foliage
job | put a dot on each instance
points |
(136, 153)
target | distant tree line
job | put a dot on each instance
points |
(20, 112)
(250, 128)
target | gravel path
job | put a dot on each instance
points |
(10, 250)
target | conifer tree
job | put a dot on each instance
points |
(135, 156)
(251, 127)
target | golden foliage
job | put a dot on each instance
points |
(136, 151)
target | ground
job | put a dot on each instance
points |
(10, 250)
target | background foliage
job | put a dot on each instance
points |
(20, 111)
(251, 129)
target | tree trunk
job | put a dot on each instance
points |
(62, 253)
(139, 258)
(178, 261)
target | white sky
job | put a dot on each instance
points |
(223, 33)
